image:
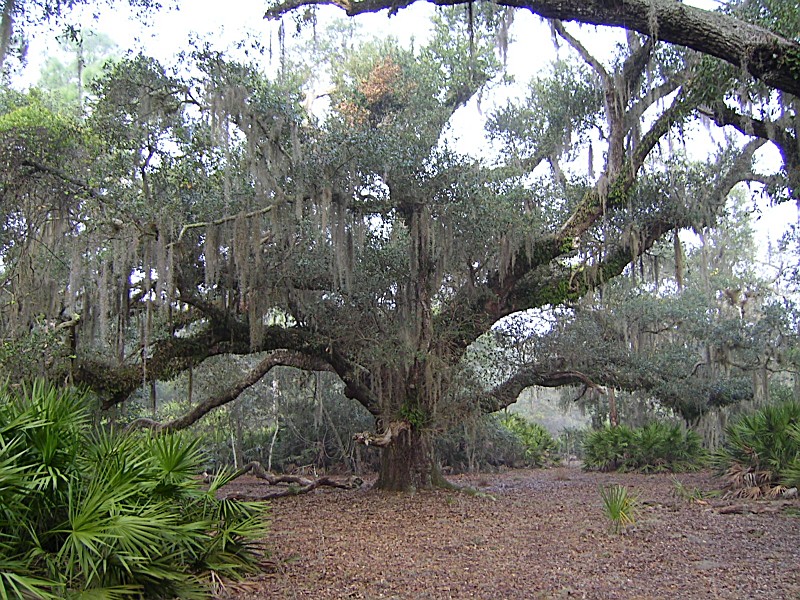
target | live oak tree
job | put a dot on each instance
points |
(191, 217)
(703, 336)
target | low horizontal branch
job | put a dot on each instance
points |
(296, 484)
(274, 359)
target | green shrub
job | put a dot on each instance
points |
(479, 444)
(537, 442)
(761, 453)
(656, 447)
(607, 449)
(661, 447)
(102, 514)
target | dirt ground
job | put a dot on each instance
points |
(537, 534)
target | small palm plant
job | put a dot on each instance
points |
(620, 506)
(107, 515)
(761, 453)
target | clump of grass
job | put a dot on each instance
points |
(620, 506)
(683, 492)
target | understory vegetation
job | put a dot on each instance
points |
(761, 454)
(86, 511)
(656, 447)
(620, 506)
(497, 441)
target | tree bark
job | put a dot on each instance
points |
(296, 484)
(765, 55)
(408, 464)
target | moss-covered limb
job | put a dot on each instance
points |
(767, 56)
(507, 392)
(222, 322)
(172, 355)
(357, 380)
(558, 284)
(468, 314)
(680, 108)
(114, 383)
(274, 359)
(775, 132)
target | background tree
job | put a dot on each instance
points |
(87, 53)
(20, 16)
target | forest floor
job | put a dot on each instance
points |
(536, 534)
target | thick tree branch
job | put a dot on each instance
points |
(762, 53)
(507, 392)
(296, 483)
(274, 359)
(777, 133)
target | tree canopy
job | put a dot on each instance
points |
(769, 53)
(194, 215)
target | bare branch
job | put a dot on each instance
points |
(584, 53)
(651, 97)
(297, 483)
(221, 221)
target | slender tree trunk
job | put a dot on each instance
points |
(6, 29)
(612, 407)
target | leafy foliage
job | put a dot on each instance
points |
(761, 454)
(535, 439)
(86, 511)
(656, 447)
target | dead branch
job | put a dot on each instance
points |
(384, 439)
(297, 484)
(756, 509)
(221, 221)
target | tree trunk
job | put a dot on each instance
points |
(612, 407)
(407, 464)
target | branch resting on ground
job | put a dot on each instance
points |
(297, 484)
